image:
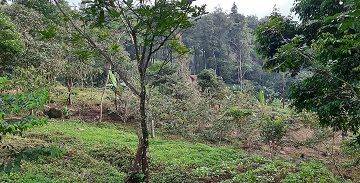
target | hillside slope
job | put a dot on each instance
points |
(70, 151)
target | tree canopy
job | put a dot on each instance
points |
(10, 39)
(325, 45)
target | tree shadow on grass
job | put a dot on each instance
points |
(12, 160)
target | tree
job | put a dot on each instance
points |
(41, 50)
(209, 81)
(239, 41)
(25, 99)
(209, 41)
(10, 41)
(326, 45)
(150, 25)
(17, 109)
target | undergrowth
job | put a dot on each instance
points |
(81, 152)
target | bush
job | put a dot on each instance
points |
(311, 172)
(237, 113)
(174, 174)
(352, 150)
(119, 158)
(269, 171)
(15, 107)
(273, 130)
(208, 80)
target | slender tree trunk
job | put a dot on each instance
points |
(240, 71)
(144, 129)
(140, 163)
(69, 87)
(194, 62)
(2, 72)
(107, 69)
(152, 129)
(283, 90)
(204, 58)
(115, 101)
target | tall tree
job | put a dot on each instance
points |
(10, 41)
(325, 44)
(239, 41)
(150, 25)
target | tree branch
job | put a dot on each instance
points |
(101, 51)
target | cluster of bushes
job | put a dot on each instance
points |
(214, 113)
(18, 107)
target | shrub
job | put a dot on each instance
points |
(120, 158)
(273, 130)
(262, 97)
(174, 174)
(208, 80)
(311, 172)
(237, 113)
(270, 171)
(19, 104)
(352, 149)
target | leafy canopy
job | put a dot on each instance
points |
(325, 49)
(10, 39)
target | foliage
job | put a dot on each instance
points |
(119, 158)
(352, 150)
(311, 172)
(165, 77)
(272, 35)
(19, 104)
(273, 171)
(10, 39)
(140, 48)
(237, 113)
(106, 149)
(151, 25)
(273, 130)
(18, 127)
(209, 81)
(37, 52)
(261, 97)
(225, 43)
(326, 47)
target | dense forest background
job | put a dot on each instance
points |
(225, 43)
(163, 91)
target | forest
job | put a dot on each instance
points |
(165, 91)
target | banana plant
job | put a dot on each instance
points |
(117, 88)
(262, 97)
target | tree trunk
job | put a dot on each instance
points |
(115, 101)
(141, 158)
(204, 59)
(69, 87)
(2, 72)
(240, 72)
(107, 69)
(144, 129)
(283, 90)
(152, 129)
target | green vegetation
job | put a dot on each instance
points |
(81, 152)
(163, 91)
(324, 49)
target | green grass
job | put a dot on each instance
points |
(80, 95)
(81, 152)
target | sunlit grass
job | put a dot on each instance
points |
(103, 153)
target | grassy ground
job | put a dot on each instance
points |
(69, 151)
